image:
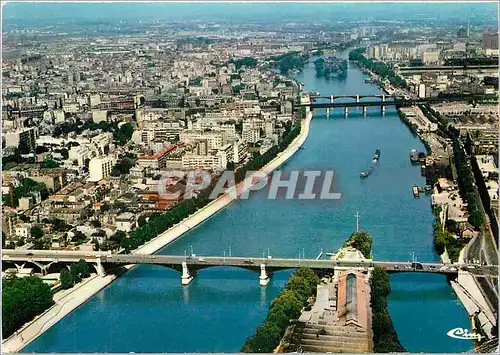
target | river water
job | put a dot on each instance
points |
(147, 310)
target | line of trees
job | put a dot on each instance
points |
(379, 68)
(285, 307)
(385, 338)
(466, 185)
(75, 274)
(160, 222)
(22, 300)
(468, 190)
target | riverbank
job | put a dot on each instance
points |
(75, 297)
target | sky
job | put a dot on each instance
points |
(56, 12)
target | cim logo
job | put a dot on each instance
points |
(461, 333)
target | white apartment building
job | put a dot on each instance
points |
(215, 140)
(125, 221)
(80, 154)
(100, 168)
(240, 151)
(213, 162)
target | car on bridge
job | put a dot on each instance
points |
(417, 266)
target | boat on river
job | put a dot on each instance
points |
(416, 192)
(365, 173)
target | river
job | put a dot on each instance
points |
(147, 310)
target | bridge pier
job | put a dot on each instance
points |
(186, 276)
(99, 268)
(331, 99)
(357, 99)
(263, 278)
(18, 267)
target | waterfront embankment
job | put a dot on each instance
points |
(75, 297)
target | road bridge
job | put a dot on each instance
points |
(457, 69)
(189, 265)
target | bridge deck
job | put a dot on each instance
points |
(245, 262)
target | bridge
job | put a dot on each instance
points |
(448, 68)
(189, 265)
(355, 101)
(380, 101)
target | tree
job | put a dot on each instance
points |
(284, 308)
(75, 273)
(95, 223)
(23, 299)
(66, 279)
(36, 232)
(362, 242)
(299, 286)
(265, 340)
(310, 276)
(118, 236)
(82, 268)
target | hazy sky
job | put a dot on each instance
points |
(55, 12)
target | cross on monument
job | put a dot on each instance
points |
(357, 215)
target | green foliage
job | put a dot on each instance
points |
(122, 166)
(385, 338)
(66, 279)
(445, 240)
(311, 278)
(283, 308)
(123, 134)
(331, 68)
(36, 232)
(300, 286)
(50, 163)
(291, 60)
(361, 241)
(74, 275)
(287, 306)
(439, 238)
(466, 185)
(27, 188)
(246, 61)
(23, 299)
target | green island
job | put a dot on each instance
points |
(331, 67)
